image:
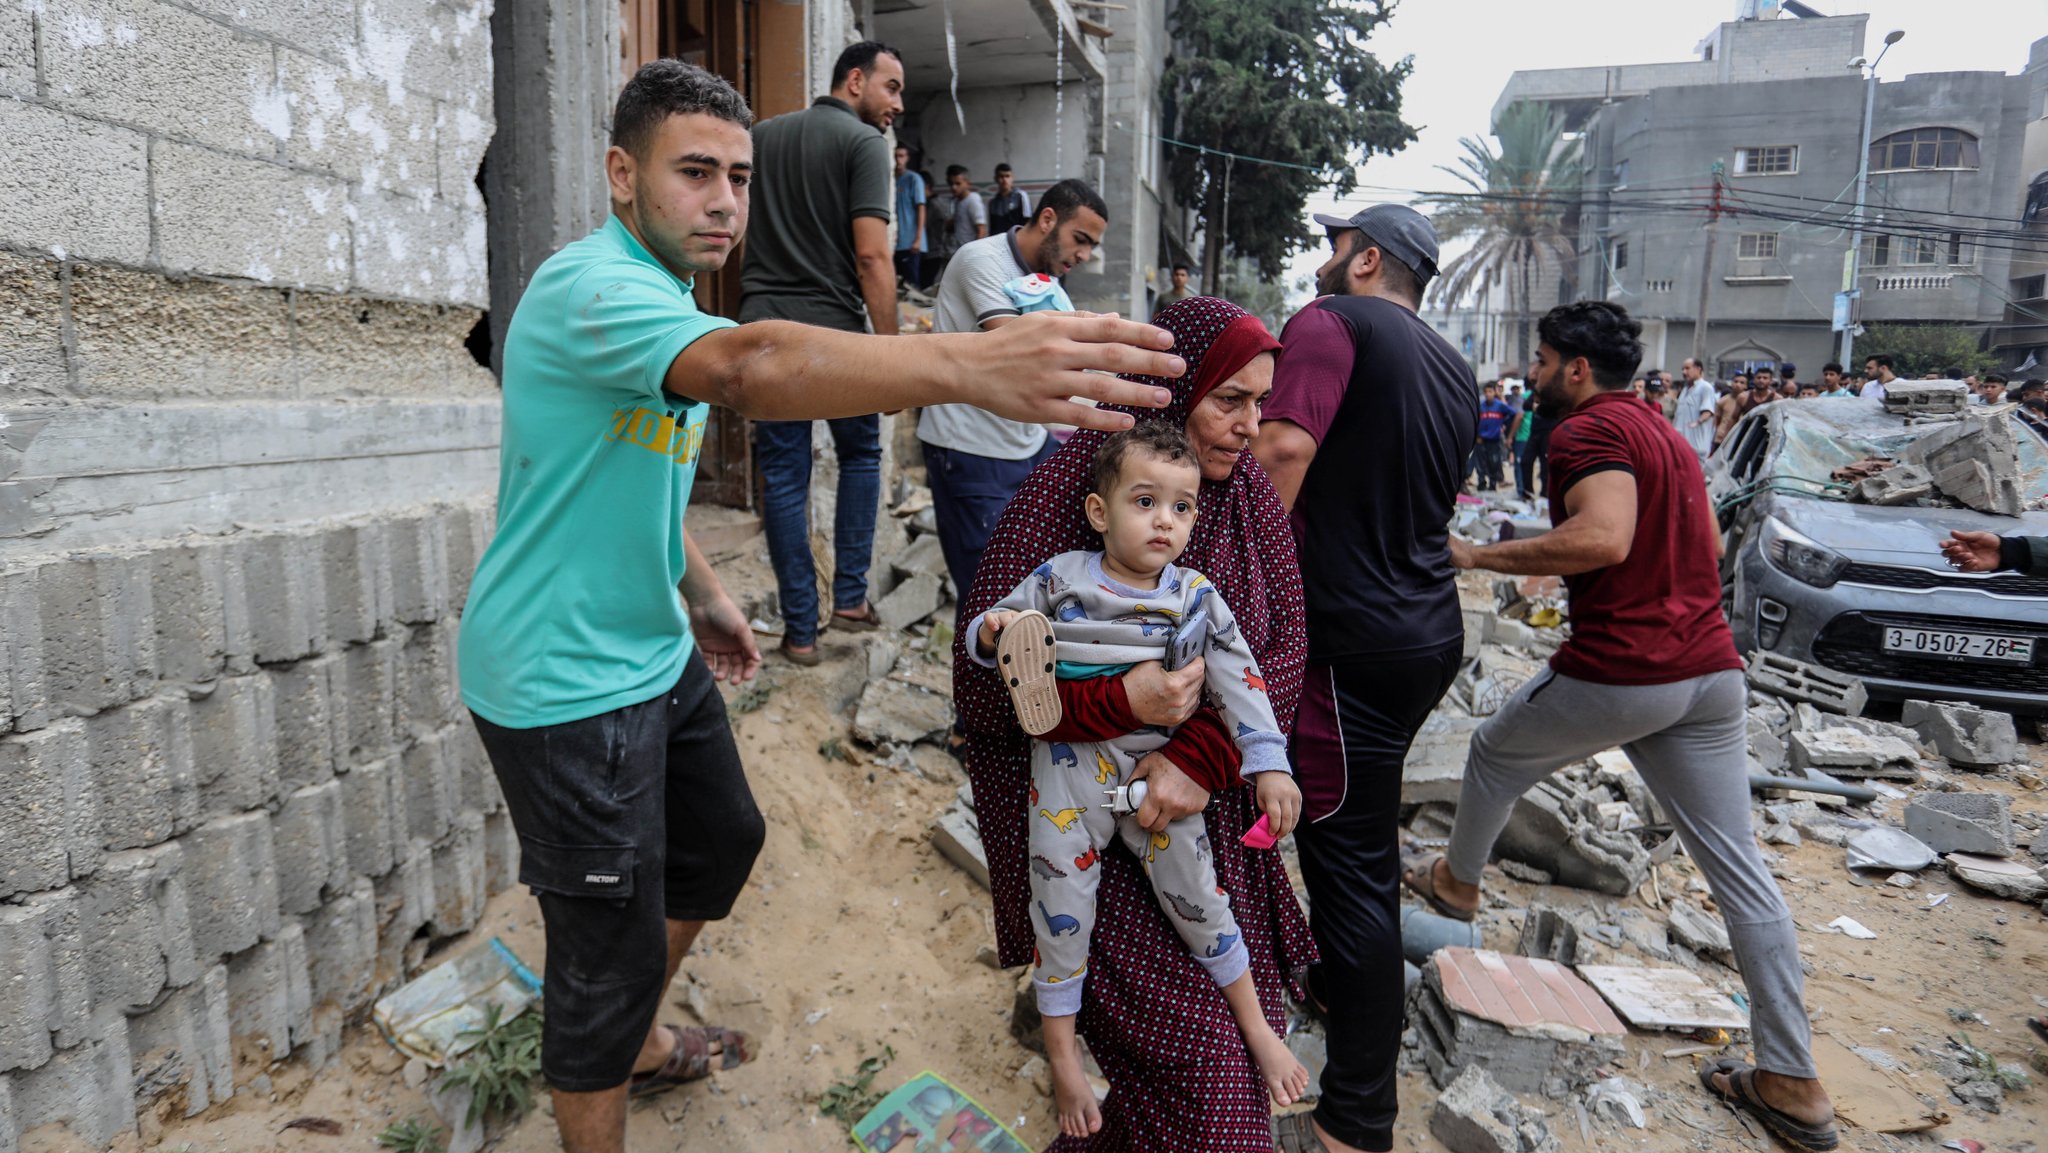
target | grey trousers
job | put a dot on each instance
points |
(1689, 743)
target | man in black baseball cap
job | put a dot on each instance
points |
(1372, 418)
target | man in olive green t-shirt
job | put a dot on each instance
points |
(590, 682)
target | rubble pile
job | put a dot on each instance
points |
(1971, 461)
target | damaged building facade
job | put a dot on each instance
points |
(254, 264)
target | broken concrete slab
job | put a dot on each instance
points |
(1962, 823)
(2010, 879)
(1563, 1036)
(1974, 461)
(1547, 832)
(1926, 397)
(1798, 681)
(1662, 998)
(957, 836)
(895, 713)
(1435, 768)
(1888, 849)
(1700, 931)
(922, 556)
(1548, 934)
(1964, 734)
(1902, 484)
(910, 602)
(1475, 1115)
(1842, 751)
(1766, 748)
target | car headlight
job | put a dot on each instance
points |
(1800, 557)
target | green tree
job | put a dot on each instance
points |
(1918, 349)
(1271, 299)
(1519, 212)
(1284, 80)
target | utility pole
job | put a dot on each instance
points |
(1699, 324)
(1862, 190)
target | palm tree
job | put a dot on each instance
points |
(1515, 215)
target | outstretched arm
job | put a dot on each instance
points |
(1598, 531)
(1027, 371)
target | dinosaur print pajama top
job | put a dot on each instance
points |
(1103, 627)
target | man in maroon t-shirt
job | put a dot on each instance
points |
(1650, 667)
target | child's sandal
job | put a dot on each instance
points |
(1024, 659)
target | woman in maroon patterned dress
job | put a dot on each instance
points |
(1181, 1079)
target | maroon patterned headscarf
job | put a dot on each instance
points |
(1241, 541)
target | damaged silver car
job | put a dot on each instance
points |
(1815, 573)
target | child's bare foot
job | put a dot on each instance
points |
(1286, 1078)
(1072, 1096)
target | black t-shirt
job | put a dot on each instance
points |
(1394, 411)
(1539, 425)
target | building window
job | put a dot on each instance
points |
(1620, 255)
(1959, 249)
(1919, 250)
(1768, 160)
(1924, 148)
(1621, 176)
(1877, 250)
(2031, 288)
(2037, 201)
(1757, 246)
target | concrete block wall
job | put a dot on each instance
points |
(247, 465)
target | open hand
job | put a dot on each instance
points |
(1971, 551)
(1031, 368)
(1280, 799)
(726, 640)
(1169, 793)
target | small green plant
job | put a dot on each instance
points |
(753, 696)
(500, 1071)
(2011, 1078)
(412, 1135)
(848, 1099)
(833, 749)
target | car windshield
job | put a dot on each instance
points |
(1817, 437)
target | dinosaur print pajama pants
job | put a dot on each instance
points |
(1071, 829)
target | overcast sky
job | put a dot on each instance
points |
(1465, 50)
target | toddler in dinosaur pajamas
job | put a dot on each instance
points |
(1085, 614)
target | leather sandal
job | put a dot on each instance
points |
(808, 658)
(1419, 875)
(1024, 659)
(1742, 1094)
(865, 621)
(1296, 1133)
(691, 1058)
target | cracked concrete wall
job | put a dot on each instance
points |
(246, 466)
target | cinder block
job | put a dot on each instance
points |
(136, 926)
(460, 878)
(1796, 681)
(1962, 822)
(28, 996)
(371, 674)
(139, 335)
(501, 852)
(428, 671)
(479, 782)
(61, 915)
(33, 362)
(311, 721)
(182, 1046)
(466, 529)
(405, 906)
(357, 127)
(188, 585)
(73, 184)
(43, 784)
(431, 789)
(358, 582)
(143, 772)
(270, 995)
(89, 1089)
(347, 346)
(314, 25)
(10, 1124)
(1964, 734)
(419, 567)
(286, 592)
(21, 651)
(341, 945)
(419, 250)
(310, 841)
(17, 78)
(373, 816)
(234, 741)
(450, 54)
(162, 68)
(99, 631)
(462, 131)
(280, 226)
(231, 869)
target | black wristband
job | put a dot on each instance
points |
(2013, 553)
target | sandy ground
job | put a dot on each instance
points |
(855, 935)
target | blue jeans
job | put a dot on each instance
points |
(782, 449)
(969, 494)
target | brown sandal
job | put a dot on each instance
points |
(1419, 876)
(1024, 659)
(808, 658)
(1296, 1133)
(1741, 1093)
(691, 1058)
(866, 621)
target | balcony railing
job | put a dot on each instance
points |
(1935, 283)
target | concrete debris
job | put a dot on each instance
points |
(1975, 462)
(1962, 822)
(1476, 1115)
(922, 556)
(1766, 748)
(1793, 680)
(1548, 934)
(1926, 397)
(1619, 1100)
(1889, 849)
(1554, 1037)
(1309, 1048)
(1556, 831)
(1903, 484)
(1700, 931)
(1853, 752)
(956, 834)
(892, 712)
(1964, 734)
(1650, 997)
(1435, 767)
(2001, 878)
(910, 602)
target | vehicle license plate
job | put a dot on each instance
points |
(1959, 646)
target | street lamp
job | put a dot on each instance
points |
(1862, 186)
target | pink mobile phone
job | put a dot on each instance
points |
(1259, 836)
